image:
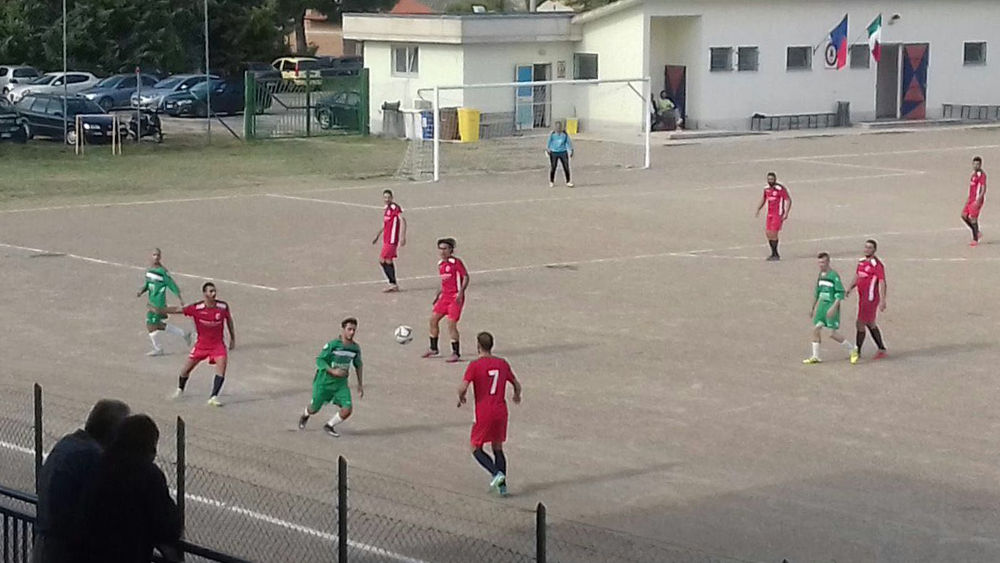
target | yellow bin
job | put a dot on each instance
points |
(468, 125)
(572, 125)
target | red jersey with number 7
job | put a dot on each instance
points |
(489, 377)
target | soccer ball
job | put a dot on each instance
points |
(404, 334)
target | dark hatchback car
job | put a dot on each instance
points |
(228, 98)
(341, 110)
(43, 115)
(11, 124)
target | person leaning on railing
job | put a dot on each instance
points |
(65, 475)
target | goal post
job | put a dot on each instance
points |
(504, 127)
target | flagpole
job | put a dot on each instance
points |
(826, 37)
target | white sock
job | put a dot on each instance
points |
(815, 349)
(176, 331)
(335, 420)
(152, 338)
(306, 412)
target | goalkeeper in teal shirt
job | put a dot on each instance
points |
(560, 150)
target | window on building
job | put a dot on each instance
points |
(721, 59)
(975, 53)
(405, 60)
(585, 66)
(860, 56)
(747, 58)
(798, 58)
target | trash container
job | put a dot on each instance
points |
(449, 124)
(392, 120)
(572, 125)
(843, 114)
(468, 125)
(427, 124)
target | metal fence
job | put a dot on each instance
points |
(260, 504)
(306, 106)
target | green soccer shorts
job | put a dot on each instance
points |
(832, 323)
(328, 389)
(155, 318)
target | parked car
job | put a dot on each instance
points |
(340, 110)
(228, 97)
(11, 123)
(339, 66)
(116, 91)
(43, 115)
(16, 74)
(52, 83)
(298, 70)
(262, 72)
(153, 98)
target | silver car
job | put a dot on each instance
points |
(152, 98)
(11, 75)
(52, 83)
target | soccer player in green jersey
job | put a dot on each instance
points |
(155, 283)
(330, 383)
(826, 308)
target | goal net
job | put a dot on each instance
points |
(493, 128)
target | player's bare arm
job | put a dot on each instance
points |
(402, 231)
(851, 286)
(834, 309)
(760, 206)
(361, 384)
(883, 290)
(463, 390)
(517, 388)
(232, 331)
(378, 235)
(144, 289)
(461, 289)
(171, 310)
(788, 208)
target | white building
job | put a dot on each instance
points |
(721, 60)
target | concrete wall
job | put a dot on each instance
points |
(438, 65)
(620, 41)
(725, 100)
(676, 41)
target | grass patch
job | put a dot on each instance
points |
(43, 171)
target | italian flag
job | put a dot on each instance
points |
(875, 37)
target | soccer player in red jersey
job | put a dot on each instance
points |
(869, 278)
(211, 317)
(489, 376)
(977, 193)
(779, 203)
(393, 233)
(450, 299)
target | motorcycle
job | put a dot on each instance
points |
(148, 125)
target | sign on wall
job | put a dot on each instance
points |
(560, 69)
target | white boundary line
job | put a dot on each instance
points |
(128, 203)
(253, 514)
(329, 201)
(861, 166)
(700, 253)
(134, 267)
(862, 154)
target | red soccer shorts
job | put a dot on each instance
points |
(972, 210)
(489, 430)
(213, 353)
(867, 310)
(447, 307)
(773, 223)
(388, 251)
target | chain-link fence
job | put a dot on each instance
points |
(263, 504)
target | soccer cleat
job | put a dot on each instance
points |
(773, 258)
(502, 489)
(431, 354)
(155, 352)
(302, 422)
(176, 394)
(881, 354)
(453, 358)
(552, 184)
(214, 401)
(331, 431)
(498, 479)
(974, 243)
(569, 184)
(812, 360)
(855, 355)
(391, 289)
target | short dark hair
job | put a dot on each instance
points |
(485, 341)
(449, 241)
(348, 321)
(137, 436)
(823, 255)
(386, 192)
(873, 241)
(104, 420)
(772, 174)
(206, 285)
(978, 159)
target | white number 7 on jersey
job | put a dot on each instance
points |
(495, 376)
